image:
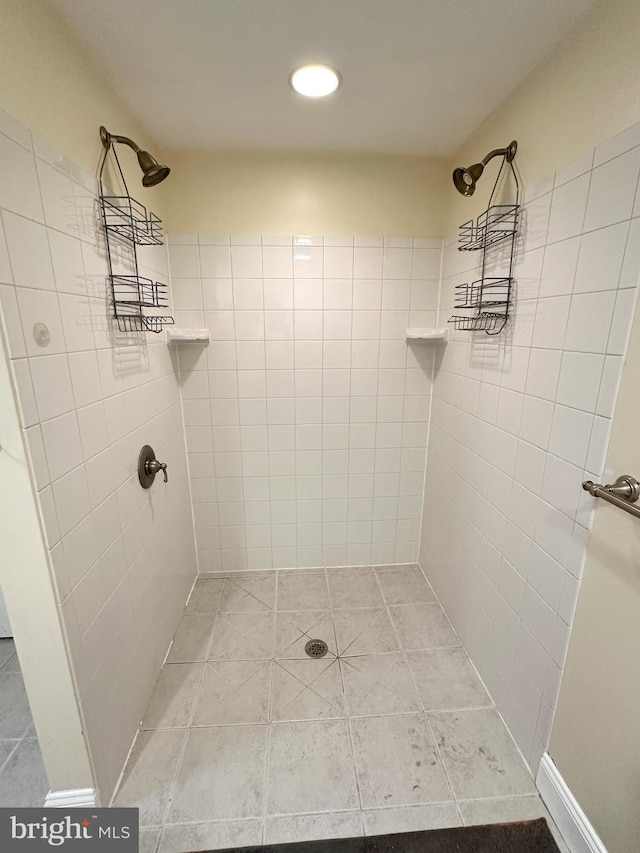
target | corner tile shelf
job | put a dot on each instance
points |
(438, 335)
(188, 336)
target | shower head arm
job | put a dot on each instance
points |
(508, 153)
(109, 138)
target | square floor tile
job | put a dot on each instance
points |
(363, 632)
(15, 713)
(213, 835)
(501, 810)
(312, 827)
(206, 596)
(301, 590)
(307, 689)
(423, 626)
(251, 593)
(192, 638)
(397, 761)
(310, 768)
(23, 781)
(379, 684)
(233, 692)
(148, 839)
(446, 679)
(242, 636)
(221, 776)
(295, 628)
(411, 818)
(7, 650)
(481, 758)
(173, 696)
(149, 774)
(354, 588)
(404, 585)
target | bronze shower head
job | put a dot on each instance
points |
(153, 172)
(465, 179)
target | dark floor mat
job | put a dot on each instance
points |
(530, 836)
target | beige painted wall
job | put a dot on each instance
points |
(594, 741)
(48, 82)
(585, 92)
(244, 193)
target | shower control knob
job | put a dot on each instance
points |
(154, 467)
(148, 467)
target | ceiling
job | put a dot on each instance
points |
(419, 75)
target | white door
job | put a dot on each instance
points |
(5, 627)
(595, 740)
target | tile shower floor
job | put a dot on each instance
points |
(23, 780)
(247, 740)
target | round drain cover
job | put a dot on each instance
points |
(316, 648)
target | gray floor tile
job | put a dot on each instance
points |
(173, 697)
(15, 713)
(206, 596)
(221, 776)
(379, 684)
(364, 631)
(23, 781)
(191, 640)
(447, 679)
(234, 692)
(149, 774)
(312, 827)
(354, 588)
(184, 838)
(479, 754)
(256, 593)
(7, 650)
(149, 838)
(501, 810)
(310, 768)
(242, 636)
(423, 626)
(404, 585)
(302, 590)
(307, 690)
(397, 761)
(6, 748)
(12, 665)
(411, 818)
(295, 628)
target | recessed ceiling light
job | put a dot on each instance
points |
(315, 81)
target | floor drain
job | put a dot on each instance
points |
(316, 648)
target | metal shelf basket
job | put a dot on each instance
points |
(142, 323)
(129, 219)
(496, 223)
(483, 322)
(139, 291)
(483, 293)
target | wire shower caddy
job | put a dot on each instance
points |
(127, 220)
(489, 297)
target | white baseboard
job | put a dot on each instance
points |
(572, 822)
(76, 798)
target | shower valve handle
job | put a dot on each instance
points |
(148, 467)
(154, 467)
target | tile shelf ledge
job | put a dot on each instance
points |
(183, 336)
(434, 334)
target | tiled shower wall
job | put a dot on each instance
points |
(520, 420)
(307, 414)
(123, 558)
